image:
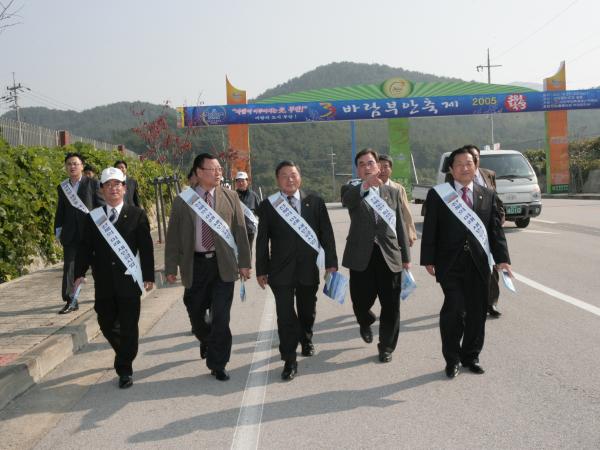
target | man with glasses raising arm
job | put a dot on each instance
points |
(209, 261)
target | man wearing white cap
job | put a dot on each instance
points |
(249, 198)
(112, 238)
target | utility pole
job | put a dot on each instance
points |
(332, 172)
(479, 69)
(13, 97)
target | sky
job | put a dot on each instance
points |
(78, 54)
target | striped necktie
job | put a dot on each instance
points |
(208, 236)
(465, 197)
(113, 215)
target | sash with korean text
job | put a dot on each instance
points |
(71, 195)
(249, 214)
(118, 245)
(299, 225)
(466, 215)
(382, 209)
(209, 216)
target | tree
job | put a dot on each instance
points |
(163, 144)
(8, 15)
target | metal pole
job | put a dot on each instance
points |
(489, 67)
(412, 160)
(333, 173)
(353, 139)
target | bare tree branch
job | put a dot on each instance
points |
(9, 14)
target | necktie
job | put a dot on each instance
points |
(465, 197)
(208, 237)
(113, 215)
(291, 201)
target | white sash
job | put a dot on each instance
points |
(71, 195)
(382, 209)
(249, 214)
(209, 216)
(299, 225)
(118, 245)
(466, 215)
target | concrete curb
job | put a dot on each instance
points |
(29, 368)
(573, 196)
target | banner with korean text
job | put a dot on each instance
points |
(557, 139)
(239, 142)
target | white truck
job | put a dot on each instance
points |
(516, 184)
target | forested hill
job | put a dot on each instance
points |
(311, 144)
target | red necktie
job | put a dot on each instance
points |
(208, 237)
(466, 198)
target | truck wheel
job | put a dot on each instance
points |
(522, 222)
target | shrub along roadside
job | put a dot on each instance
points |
(28, 180)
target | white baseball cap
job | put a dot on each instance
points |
(241, 175)
(111, 173)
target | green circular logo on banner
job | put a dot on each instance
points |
(397, 88)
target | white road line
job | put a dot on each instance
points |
(538, 232)
(247, 430)
(543, 221)
(565, 298)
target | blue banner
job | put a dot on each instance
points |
(193, 116)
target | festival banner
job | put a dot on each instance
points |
(239, 142)
(386, 108)
(557, 138)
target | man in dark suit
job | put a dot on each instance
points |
(132, 196)
(375, 253)
(289, 267)
(207, 263)
(487, 178)
(117, 294)
(454, 255)
(69, 221)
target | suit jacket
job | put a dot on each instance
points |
(489, 177)
(70, 219)
(364, 229)
(132, 196)
(444, 235)
(107, 269)
(181, 238)
(290, 259)
(406, 214)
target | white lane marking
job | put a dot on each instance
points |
(538, 232)
(543, 221)
(247, 430)
(565, 298)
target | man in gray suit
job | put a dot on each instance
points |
(207, 264)
(375, 253)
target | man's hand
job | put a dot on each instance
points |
(245, 274)
(372, 180)
(171, 278)
(77, 282)
(506, 268)
(410, 242)
(406, 265)
(263, 280)
(148, 285)
(331, 269)
(430, 269)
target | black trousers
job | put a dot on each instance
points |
(69, 251)
(118, 318)
(208, 291)
(378, 281)
(294, 327)
(464, 311)
(494, 288)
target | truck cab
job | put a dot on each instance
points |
(516, 183)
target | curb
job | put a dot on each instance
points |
(573, 196)
(29, 368)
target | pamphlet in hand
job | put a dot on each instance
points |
(408, 284)
(508, 281)
(75, 296)
(336, 286)
(242, 290)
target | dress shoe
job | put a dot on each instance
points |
(203, 350)
(451, 370)
(308, 349)
(69, 307)
(125, 381)
(385, 357)
(290, 369)
(475, 368)
(493, 311)
(220, 374)
(366, 334)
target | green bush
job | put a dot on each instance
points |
(28, 181)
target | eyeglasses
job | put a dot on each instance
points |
(213, 169)
(371, 163)
(72, 164)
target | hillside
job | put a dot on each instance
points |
(311, 144)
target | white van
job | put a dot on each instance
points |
(516, 183)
